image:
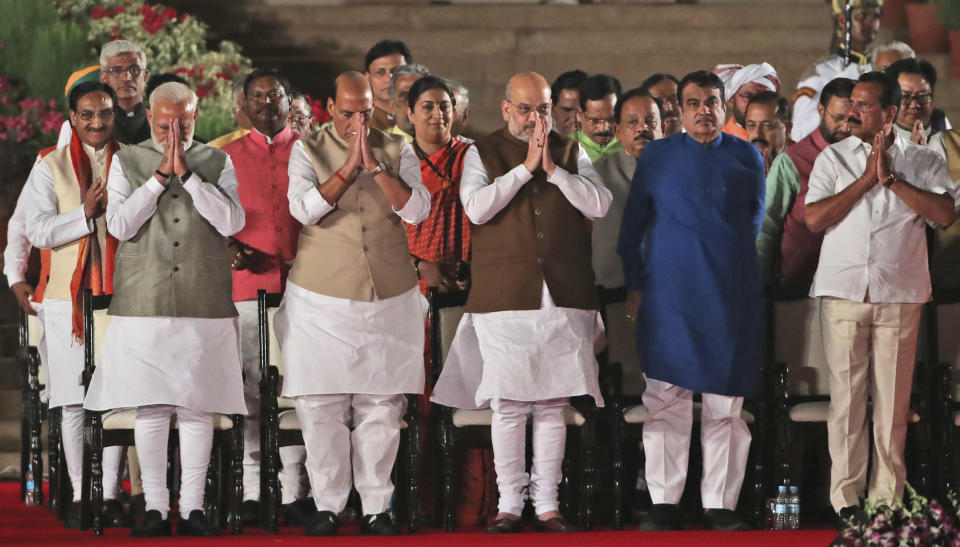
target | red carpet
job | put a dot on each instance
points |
(22, 525)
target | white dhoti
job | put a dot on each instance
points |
(520, 363)
(341, 354)
(62, 354)
(163, 365)
(291, 457)
(181, 361)
(724, 436)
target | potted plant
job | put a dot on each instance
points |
(949, 11)
(927, 33)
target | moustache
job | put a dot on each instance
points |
(646, 134)
(707, 119)
(530, 125)
(267, 108)
(606, 134)
(761, 142)
(854, 120)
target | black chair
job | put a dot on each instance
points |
(627, 415)
(279, 426)
(471, 428)
(32, 409)
(116, 428)
(942, 316)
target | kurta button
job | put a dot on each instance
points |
(274, 186)
(175, 220)
(176, 243)
(275, 207)
(535, 189)
(537, 212)
(279, 229)
(539, 235)
(363, 228)
(175, 196)
(364, 248)
(539, 260)
(176, 268)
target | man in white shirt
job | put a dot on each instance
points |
(526, 343)
(172, 343)
(351, 321)
(873, 192)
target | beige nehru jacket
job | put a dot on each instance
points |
(358, 250)
(63, 259)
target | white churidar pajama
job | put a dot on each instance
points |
(341, 354)
(724, 437)
(183, 364)
(526, 361)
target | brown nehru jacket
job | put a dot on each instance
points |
(360, 248)
(538, 236)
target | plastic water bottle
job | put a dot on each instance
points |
(780, 508)
(793, 509)
(31, 485)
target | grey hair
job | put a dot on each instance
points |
(119, 47)
(461, 90)
(508, 93)
(893, 45)
(173, 93)
(411, 69)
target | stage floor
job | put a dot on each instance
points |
(22, 525)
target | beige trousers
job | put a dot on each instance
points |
(854, 334)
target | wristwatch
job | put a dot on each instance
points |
(377, 171)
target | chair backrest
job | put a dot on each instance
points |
(95, 322)
(444, 315)
(798, 342)
(267, 304)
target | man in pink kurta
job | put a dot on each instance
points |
(263, 252)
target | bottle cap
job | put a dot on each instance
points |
(793, 489)
(782, 489)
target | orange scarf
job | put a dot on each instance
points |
(91, 272)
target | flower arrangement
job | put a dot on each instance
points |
(174, 42)
(915, 521)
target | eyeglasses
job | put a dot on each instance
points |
(922, 99)
(301, 119)
(598, 121)
(89, 115)
(524, 109)
(132, 70)
(862, 106)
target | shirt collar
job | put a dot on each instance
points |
(590, 144)
(853, 143)
(686, 138)
(285, 135)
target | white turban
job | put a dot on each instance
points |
(736, 76)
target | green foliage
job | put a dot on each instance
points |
(40, 48)
(949, 13)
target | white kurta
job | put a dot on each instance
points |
(528, 355)
(183, 361)
(46, 227)
(337, 345)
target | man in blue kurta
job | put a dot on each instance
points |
(689, 255)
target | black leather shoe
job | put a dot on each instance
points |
(851, 516)
(300, 512)
(195, 525)
(378, 525)
(113, 516)
(322, 523)
(505, 526)
(662, 517)
(250, 513)
(555, 524)
(152, 525)
(71, 519)
(724, 519)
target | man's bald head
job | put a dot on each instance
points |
(351, 97)
(527, 97)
